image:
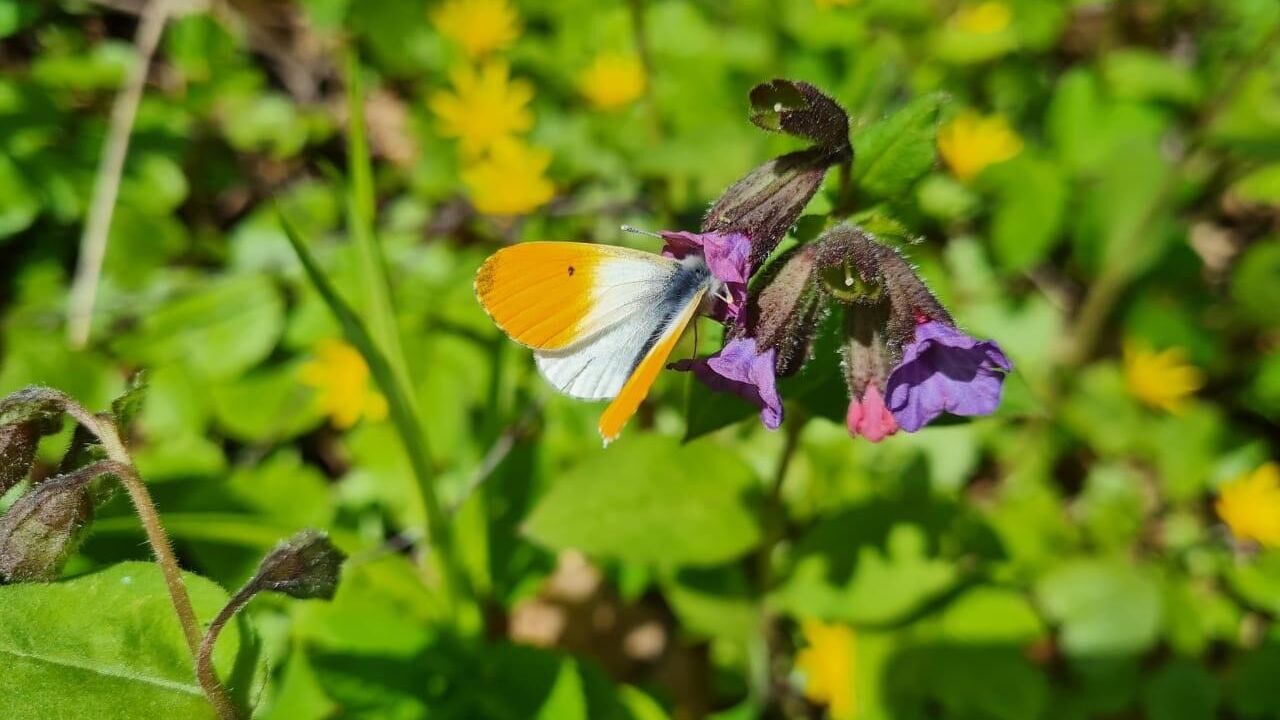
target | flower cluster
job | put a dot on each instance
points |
(905, 362)
(487, 111)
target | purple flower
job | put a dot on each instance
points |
(728, 257)
(738, 369)
(944, 370)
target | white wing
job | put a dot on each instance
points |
(637, 302)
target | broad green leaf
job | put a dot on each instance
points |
(1260, 186)
(108, 645)
(991, 615)
(965, 682)
(1138, 74)
(876, 563)
(1028, 217)
(270, 404)
(1252, 689)
(891, 154)
(1105, 607)
(1256, 283)
(219, 331)
(1123, 219)
(1181, 690)
(649, 499)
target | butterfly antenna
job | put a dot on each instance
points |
(638, 231)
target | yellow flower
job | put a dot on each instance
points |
(485, 107)
(985, 18)
(613, 80)
(971, 142)
(511, 180)
(341, 377)
(1162, 379)
(1250, 506)
(478, 26)
(827, 665)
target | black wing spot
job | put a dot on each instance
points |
(570, 271)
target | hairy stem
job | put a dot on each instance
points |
(205, 673)
(93, 244)
(105, 430)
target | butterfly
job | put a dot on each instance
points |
(601, 320)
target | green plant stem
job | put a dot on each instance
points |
(402, 416)
(761, 654)
(106, 187)
(105, 430)
(375, 281)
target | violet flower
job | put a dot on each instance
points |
(728, 258)
(740, 370)
(945, 370)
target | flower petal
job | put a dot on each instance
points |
(944, 370)
(740, 370)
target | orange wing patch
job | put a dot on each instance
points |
(637, 387)
(540, 292)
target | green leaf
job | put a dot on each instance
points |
(1121, 224)
(875, 563)
(1028, 217)
(107, 646)
(219, 331)
(991, 615)
(662, 503)
(965, 682)
(1181, 690)
(1252, 686)
(891, 154)
(1256, 283)
(1138, 74)
(20, 206)
(1260, 186)
(1106, 607)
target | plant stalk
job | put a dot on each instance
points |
(106, 432)
(97, 226)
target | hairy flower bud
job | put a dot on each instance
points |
(25, 417)
(784, 314)
(765, 203)
(17, 453)
(800, 109)
(858, 269)
(868, 358)
(306, 566)
(42, 529)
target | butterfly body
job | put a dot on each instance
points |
(601, 320)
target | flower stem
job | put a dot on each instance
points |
(105, 430)
(761, 655)
(97, 226)
(205, 672)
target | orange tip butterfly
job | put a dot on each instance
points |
(601, 320)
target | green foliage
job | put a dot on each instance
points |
(289, 188)
(106, 645)
(651, 500)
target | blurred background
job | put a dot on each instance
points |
(1093, 184)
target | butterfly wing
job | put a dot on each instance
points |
(600, 319)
